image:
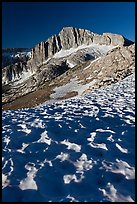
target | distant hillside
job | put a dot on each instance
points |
(13, 55)
(14, 49)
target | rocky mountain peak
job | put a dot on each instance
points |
(69, 50)
(71, 37)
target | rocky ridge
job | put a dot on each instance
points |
(14, 55)
(111, 68)
(68, 37)
(47, 68)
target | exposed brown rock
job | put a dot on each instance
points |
(108, 69)
(43, 69)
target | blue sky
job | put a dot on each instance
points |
(24, 24)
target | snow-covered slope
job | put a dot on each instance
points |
(75, 56)
(81, 149)
(91, 49)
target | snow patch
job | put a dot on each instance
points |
(89, 156)
(28, 182)
(68, 178)
(113, 196)
(102, 49)
(123, 150)
(44, 138)
(73, 85)
(5, 181)
(72, 146)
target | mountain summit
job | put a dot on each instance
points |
(55, 62)
(76, 150)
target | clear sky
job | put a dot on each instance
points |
(24, 24)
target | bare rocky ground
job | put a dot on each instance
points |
(81, 79)
(73, 63)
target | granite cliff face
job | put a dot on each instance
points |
(70, 37)
(60, 58)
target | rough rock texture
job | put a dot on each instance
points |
(68, 37)
(43, 70)
(110, 68)
(115, 66)
(13, 71)
(11, 91)
(73, 37)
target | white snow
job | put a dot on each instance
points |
(113, 196)
(24, 128)
(110, 138)
(14, 54)
(123, 150)
(93, 135)
(76, 150)
(69, 178)
(95, 145)
(70, 64)
(83, 163)
(21, 54)
(63, 156)
(44, 138)
(72, 146)
(102, 130)
(92, 63)
(120, 167)
(23, 77)
(73, 85)
(5, 181)
(28, 182)
(45, 62)
(90, 48)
